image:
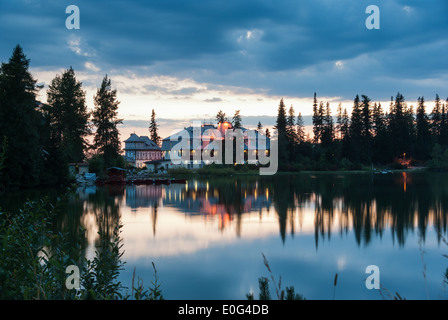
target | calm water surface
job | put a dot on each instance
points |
(207, 237)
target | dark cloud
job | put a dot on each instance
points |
(281, 47)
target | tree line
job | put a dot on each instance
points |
(369, 135)
(38, 141)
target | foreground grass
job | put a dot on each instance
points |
(33, 261)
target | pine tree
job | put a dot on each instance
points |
(236, 120)
(327, 133)
(345, 125)
(317, 120)
(378, 121)
(105, 119)
(366, 117)
(356, 124)
(19, 122)
(338, 125)
(366, 147)
(281, 118)
(290, 126)
(154, 129)
(355, 131)
(283, 152)
(399, 127)
(436, 118)
(423, 136)
(300, 131)
(443, 138)
(259, 127)
(221, 117)
(381, 141)
(68, 114)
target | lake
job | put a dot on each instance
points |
(206, 238)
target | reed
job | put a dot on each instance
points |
(264, 293)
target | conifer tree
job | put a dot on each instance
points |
(381, 141)
(290, 126)
(68, 114)
(338, 125)
(283, 152)
(436, 117)
(366, 117)
(345, 124)
(105, 119)
(423, 135)
(154, 129)
(327, 133)
(19, 122)
(355, 131)
(443, 138)
(400, 129)
(236, 120)
(366, 147)
(300, 131)
(317, 120)
(356, 124)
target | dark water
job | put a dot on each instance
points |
(207, 237)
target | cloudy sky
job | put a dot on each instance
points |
(188, 59)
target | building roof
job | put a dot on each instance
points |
(148, 144)
(133, 138)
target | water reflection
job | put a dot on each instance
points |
(327, 204)
(205, 218)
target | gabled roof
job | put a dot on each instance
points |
(133, 138)
(148, 143)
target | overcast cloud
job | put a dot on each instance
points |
(275, 48)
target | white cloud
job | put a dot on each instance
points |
(91, 66)
(75, 44)
(250, 35)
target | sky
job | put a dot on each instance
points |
(188, 59)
